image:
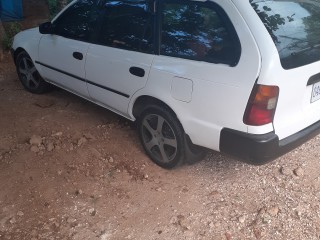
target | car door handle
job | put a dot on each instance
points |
(78, 55)
(137, 71)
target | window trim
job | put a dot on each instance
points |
(224, 17)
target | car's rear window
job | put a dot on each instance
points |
(294, 27)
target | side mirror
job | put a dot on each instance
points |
(46, 28)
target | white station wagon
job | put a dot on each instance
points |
(237, 76)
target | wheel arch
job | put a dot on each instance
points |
(17, 52)
(143, 101)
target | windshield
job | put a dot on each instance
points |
(294, 26)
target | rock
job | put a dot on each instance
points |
(273, 211)
(92, 211)
(34, 149)
(228, 236)
(298, 172)
(13, 220)
(78, 192)
(35, 140)
(81, 141)
(242, 219)
(257, 233)
(89, 136)
(111, 160)
(20, 213)
(56, 224)
(58, 134)
(286, 171)
(71, 220)
(50, 147)
(145, 176)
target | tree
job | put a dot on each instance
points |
(2, 35)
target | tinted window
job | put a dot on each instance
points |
(127, 25)
(198, 31)
(294, 27)
(79, 21)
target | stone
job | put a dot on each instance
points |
(20, 213)
(78, 192)
(298, 172)
(58, 134)
(242, 219)
(92, 212)
(273, 211)
(34, 149)
(111, 160)
(286, 171)
(50, 147)
(89, 136)
(13, 220)
(35, 140)
(81, 141)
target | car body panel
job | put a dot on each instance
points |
(220, 92)
(59, 66)
(109, 79)
(294, 111)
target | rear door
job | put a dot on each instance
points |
(62, 55)
(294, 27)
(118, 64)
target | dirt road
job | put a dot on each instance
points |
(72, 170)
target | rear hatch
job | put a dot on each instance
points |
(294, 27)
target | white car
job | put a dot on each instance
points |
(237, 76)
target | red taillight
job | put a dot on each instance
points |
(262, 105)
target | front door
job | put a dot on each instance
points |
(119, 64)
(62, 55)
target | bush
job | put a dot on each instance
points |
(11, 31)
(53, 7)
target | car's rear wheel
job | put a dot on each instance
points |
(164, 139)
(29, 76)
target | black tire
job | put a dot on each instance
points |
(164, 139)
(29, 76)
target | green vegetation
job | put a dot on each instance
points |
(11, 31)
(56, 5)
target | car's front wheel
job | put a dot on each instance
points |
(29, 76)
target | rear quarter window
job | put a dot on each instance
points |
(198, 31)
(294, 27)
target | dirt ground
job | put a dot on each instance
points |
(73, 170)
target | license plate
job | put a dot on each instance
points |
(315, 95)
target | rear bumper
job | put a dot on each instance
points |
(260, 149)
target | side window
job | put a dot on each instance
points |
(79, 21)
(198, 31)
(128, 25)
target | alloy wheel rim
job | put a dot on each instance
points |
(28, 73)
(159, 138)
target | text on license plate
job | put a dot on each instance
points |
(315, 95)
